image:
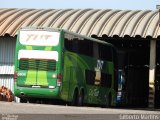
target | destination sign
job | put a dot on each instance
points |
(39, 38)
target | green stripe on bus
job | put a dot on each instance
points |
(31, 77)
(42, 75)
(78, 59)
(48, 48)
(29, 47)
(42, 78)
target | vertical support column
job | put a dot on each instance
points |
(151, 97)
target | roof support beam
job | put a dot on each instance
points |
(151, 97)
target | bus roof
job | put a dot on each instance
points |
(66, 31)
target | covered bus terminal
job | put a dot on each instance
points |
(135, 33)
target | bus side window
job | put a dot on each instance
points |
(96, 50)
(78, 45)
(86, 47)
(75, 45)
(115, 58)
(106, 80)
(68, 44)
(105, 52)
(82, 47)
(90, 77)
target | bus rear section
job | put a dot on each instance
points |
(37, 73)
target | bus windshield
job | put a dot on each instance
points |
(39, 38)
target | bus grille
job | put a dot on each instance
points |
(29, 64)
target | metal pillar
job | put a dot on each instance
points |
(151, 97)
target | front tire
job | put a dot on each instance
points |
(32, 100)
(23, 100)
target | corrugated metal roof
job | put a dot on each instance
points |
(112, 23)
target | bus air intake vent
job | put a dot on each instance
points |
(34, 64)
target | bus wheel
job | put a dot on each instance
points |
(32, 100)
(80, 98)
(74, 98)
(109, 101)
(23, 100)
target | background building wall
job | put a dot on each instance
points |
(7, 52)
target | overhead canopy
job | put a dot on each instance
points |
(120, 23)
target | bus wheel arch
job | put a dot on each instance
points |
(80, 99)
(74, 97)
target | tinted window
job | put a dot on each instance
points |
(105, 52)
(68, 44)
(86, 47)
(78, 45)
(90, 77)
(106, 80)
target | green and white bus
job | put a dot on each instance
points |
(62, 65)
